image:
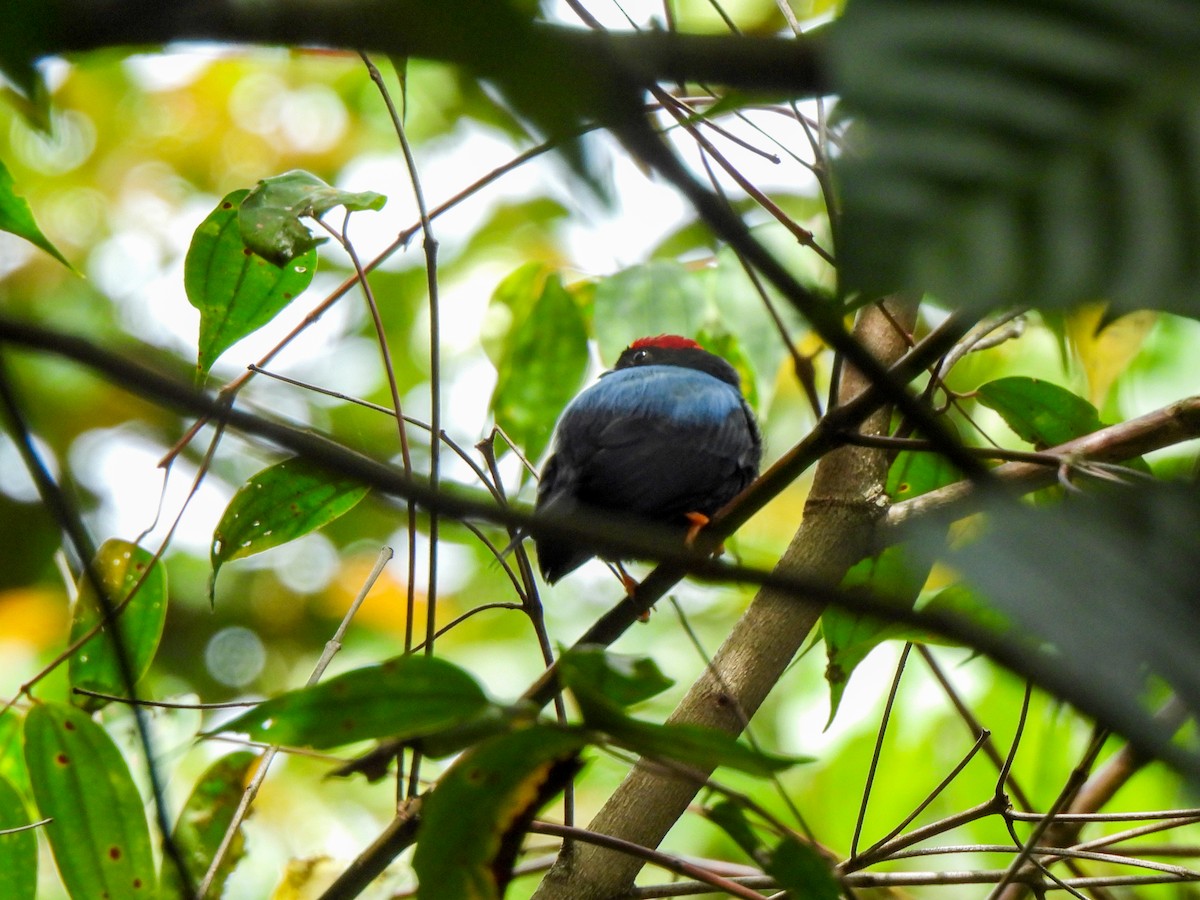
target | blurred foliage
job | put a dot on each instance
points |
(1045, 141)
(539, 290)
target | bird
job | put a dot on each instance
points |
(666, 436)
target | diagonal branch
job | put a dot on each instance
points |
(1117, 443)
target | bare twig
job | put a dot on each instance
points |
(332, 646)
(66, 516)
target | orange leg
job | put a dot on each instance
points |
(699, 521)
(627, 581)
(631, 585)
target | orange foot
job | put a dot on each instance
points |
(699, 520)
(630, 584)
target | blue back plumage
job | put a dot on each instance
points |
(682, 395)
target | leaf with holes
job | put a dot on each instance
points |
(269, 217)
(280, 504)
(18, 850)
(404, 698)
(136, 584)
(17, 218)
(236, 291)
(618, 679)
(99, 835)
(1032, 152)
(473, 820)
(205, 817)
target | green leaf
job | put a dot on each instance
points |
(277, 505)
(538, 344)
(1040, 412)
(849, 637)
(802, 872)
(603, 683)
(17, 218)
(493, 719)
(12, 757)
(960, 600)
(799, 869)
(18, 851)
(269, 217)
(692, 745)
(731, 818)
(898, 572)
(205, 817)
(99, 835)
(400, 66)
(403, 698)
(660, 297)
(25, 40)
(1020, 152)
(236, 291)
(621, 680)
(472, 822)
(123, 569)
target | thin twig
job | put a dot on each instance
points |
(878, 748)
(1077, 778)
(977, 729)
(164, 704)
(934, 794)
(260, 775)
(66, 516)
(663, 860)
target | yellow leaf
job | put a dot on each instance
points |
(1106, 352)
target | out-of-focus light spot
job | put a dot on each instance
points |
(33, 616)
(455, 563)
(235, 656)
(14, 253)
(354, 370)
(167, 71)
(121, 467)
(122, 265)
(254, 103)
(74, 215)
(68, 146)
(312, 119)
(307, 565)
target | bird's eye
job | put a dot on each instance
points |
(641, 356)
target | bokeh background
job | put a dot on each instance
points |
(143, 147)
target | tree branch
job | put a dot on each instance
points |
(482, 35)
(1161, 428)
